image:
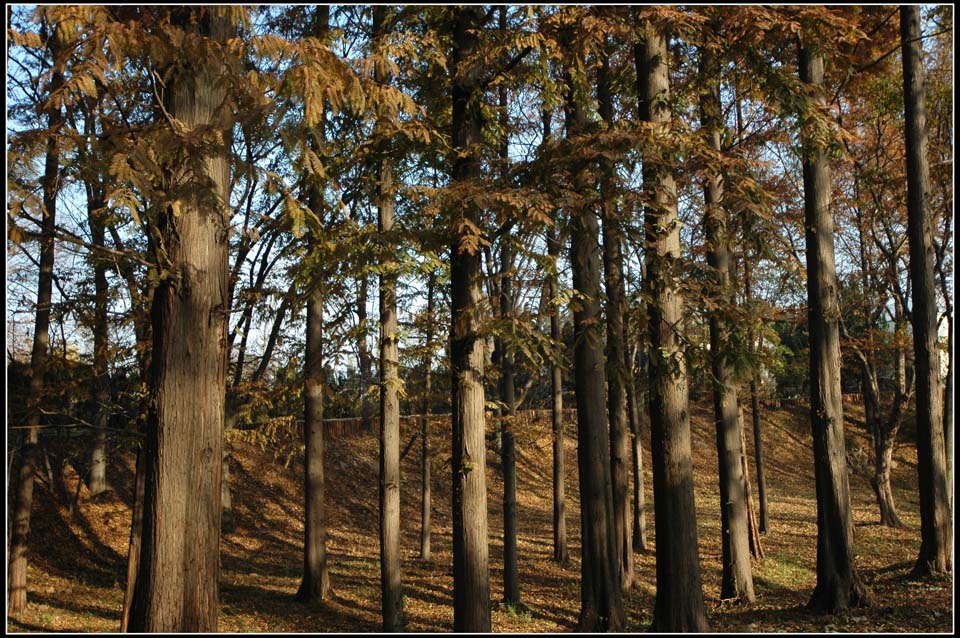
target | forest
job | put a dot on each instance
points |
(513, 318)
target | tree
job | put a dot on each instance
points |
(601, 603)
(618, 373)
(390, 585)
(935, 525)
(425, 487)
(838, 583)
(560, 549)
(755, 404)
(96, 213)
(177, 581)
(679, 603)
(471, 577)
(737, 578)
(508, 448)
(315, 585)
(28, 457)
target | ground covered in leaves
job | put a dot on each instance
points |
(78, 558)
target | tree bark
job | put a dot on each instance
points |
(756, 548)
(363, 357)
(390, 576)
(737, 578)
(136, 538)
(508, 445)
(638, 418)
(226, 499)
(471, 577)
(315, 585)
(679, 603)
(935, 525)
(101, 330)
(838, 583)
(177, 582)
(755, 410)
(601, 603)
(560, 551)
(616, 370)
(508, 449)
(425, 508)
(29, 454)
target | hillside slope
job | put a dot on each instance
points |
(78, 560)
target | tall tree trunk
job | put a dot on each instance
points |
(638, 426)
(315, 585)
(737, 577)
(601, 602)
(136, 538)
(471, 576)
(425, 509)
(948, 409)
(756, 549)
(390, 577)
(679, 603)
(136, 524)
(98, 461)
(29, 453)
(560, 551)
(226, 499)
(617, 372)
(838, 583)
(177, 582)
(755, 406)
(363, 357)
(935, 525)
(508, 449)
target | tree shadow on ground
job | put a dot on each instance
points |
(109, 614)
(326, 616)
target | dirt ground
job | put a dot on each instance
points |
(78, 559)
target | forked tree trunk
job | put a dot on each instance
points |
(737, 578)
(679, 603)
(471, 576)
(883, 431)
(390, 577)
(617, 373)
(936, 535)
(601, 603)
(177, 581)
(315, 585)
(29, 454)
(838, 583)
